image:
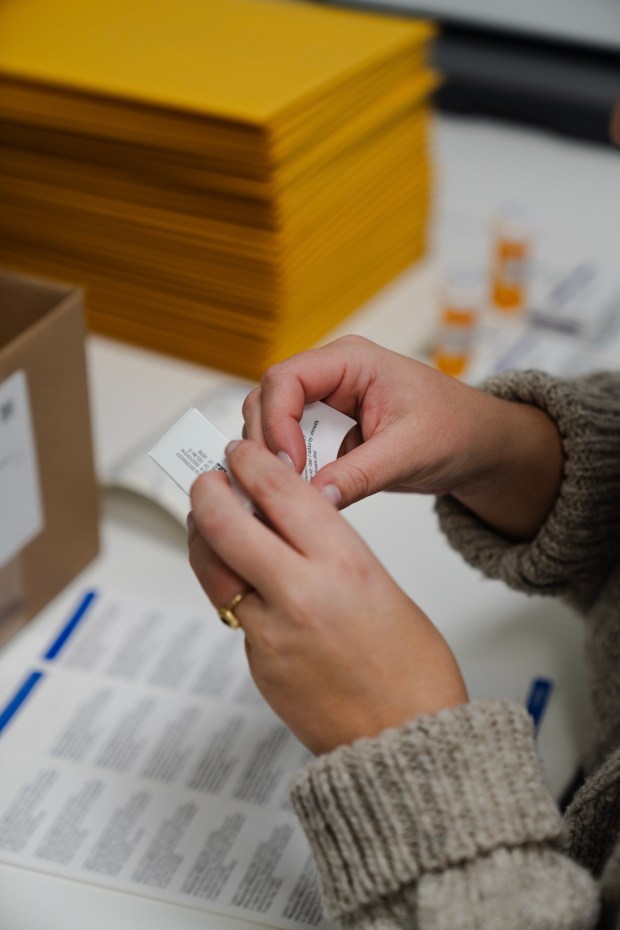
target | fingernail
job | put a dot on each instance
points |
(333, 495)
(190, 522)
(288, 461)
(232, 445)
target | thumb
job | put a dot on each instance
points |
(368, 468)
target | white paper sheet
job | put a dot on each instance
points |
(137, 754)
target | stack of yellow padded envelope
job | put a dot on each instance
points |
(227, 178)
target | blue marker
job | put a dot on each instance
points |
(538, 698)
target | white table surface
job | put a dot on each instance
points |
(495, 633)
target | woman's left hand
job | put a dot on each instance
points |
(334, 645)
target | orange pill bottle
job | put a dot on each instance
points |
(459, 312)
(511, 259)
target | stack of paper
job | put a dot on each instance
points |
(227, 179)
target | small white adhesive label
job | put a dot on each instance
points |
(21, 508)
(189, 448)
(323, 430)
(193, 445)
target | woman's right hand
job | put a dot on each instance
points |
(418, 430)
(334, 645)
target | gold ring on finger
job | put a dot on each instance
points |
(227, 614)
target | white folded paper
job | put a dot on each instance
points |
(194, 445)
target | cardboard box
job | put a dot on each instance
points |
(49, 507)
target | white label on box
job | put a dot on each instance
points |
(193, 445)
(21, 508)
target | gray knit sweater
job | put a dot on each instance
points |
(446, 823)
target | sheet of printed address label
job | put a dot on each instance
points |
(136, 753)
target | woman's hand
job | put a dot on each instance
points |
(334, 645)
(418, 430)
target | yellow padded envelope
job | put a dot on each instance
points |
(246, 60)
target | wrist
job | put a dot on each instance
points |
(520, 469)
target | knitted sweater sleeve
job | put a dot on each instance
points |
(440, 824)
(579, 543)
